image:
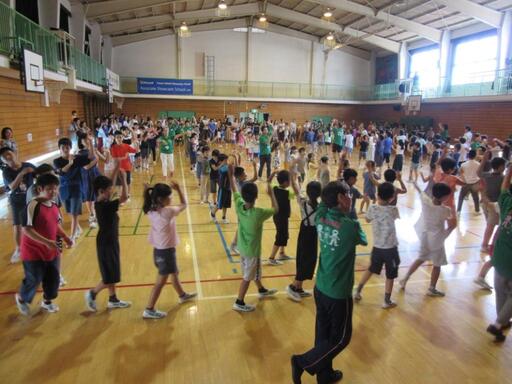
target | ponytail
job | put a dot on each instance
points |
(153, 197)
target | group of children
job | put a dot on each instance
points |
(327, 209)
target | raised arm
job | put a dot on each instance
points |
(485, 159)
(183, 201)
(231, 177)
(255, 171)
(271, 194)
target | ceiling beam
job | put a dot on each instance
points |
(297, 17)
(421, 30)
(130, 24)
(107, 8)
(479, 12)
(135, 37)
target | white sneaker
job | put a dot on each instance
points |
(186, 297)
(62, 281)
(153, 314)
(267, 293)
(78, 231)
(15, 258)
(225, 221)
(284, 257)
(93, 224)
(234, 250)
(482, 283)
(433, 292)
(51, 308)
(292, 294)
(243, 308)
(90, 303)
(388, 305)
(274, 262)
(118, 304)
(357, 295)
(402, 283)
(24, 308)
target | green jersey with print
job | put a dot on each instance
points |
(338, 236)
(339, 136)
(167, 143)
(502, 256)
(264, 145)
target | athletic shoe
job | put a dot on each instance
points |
(433, 292)
(357, 295)
(243, 308)
(118, 304)
(78, 231)
(186, 297)
(482, 283)
(294, 295)
(90, 303)
(274, 262)
(62, 281)
(92, 222)
(153, 314)
(388, 304)
(15, 258)
(267, 292)
(234, 250)
(24, 308)
(284, 257)
(304, 293)
(225, 221)
(497, 333)
(402, 283)
(336, 376)
(296, 370)
(51, 308)
(478, 213)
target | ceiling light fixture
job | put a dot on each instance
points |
(327, 13)
(262, 18)
(222, 5)
(330, 36)
(183, 27)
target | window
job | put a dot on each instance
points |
(474, 59)
(29, 9)
(87, 41)
(64, 19)
(425, 64)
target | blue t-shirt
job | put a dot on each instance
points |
(224, 177)
(70, 181)
(388, 144)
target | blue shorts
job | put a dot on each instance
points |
(73, 205)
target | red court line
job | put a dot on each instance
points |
(139, 285)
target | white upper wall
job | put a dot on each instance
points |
(272, 58)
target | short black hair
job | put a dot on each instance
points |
(313, 191)
(472, 154)
(448, 164)
(5, 149)
(239, 171)
(215, 153)
(324, 159)
(283, 176)
(117, 133)
(249, 192)
(43, 169)
(331, 191)
(386, 191)
(348, 173)
(222, 157)
(440, 190)
(101, 182)
(47, 179)
(64, 141)
(498, 162)
(390, 175)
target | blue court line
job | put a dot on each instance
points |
(224, 243)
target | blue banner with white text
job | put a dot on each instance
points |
(154, 86)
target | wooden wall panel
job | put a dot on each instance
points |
(218, 109)
(491, 118)
(22, 111)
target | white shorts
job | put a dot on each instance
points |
(436, 256)
(251, 268)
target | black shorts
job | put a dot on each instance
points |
(336, 148)
(213, 185)
(224, 198)
(19, 212)
(282, 234)
(109, 262)
(387, 157)
(165, 261)
(388, 257)
(119, 181)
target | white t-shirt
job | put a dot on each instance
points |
(349, 141)
(470, 171)
(430, 226)
(383, 219)
(469, 136)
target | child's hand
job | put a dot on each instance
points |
(52, 245)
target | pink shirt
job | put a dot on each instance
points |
(163, 233)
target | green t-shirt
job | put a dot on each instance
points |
(502, 256)
(270, 128)
(264, 145)
(475, 145)
(250, 227)
(167, 143)
(338, 236)
(338, 136)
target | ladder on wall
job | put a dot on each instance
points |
(210, 75)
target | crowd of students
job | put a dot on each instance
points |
(288, 153)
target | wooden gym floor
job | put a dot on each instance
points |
(423, 340)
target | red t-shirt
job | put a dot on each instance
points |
(121, 151)
(451, 181)
(44, 218)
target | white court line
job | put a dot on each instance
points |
(199, 289)
(225, 297)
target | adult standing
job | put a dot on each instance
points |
(338, 236)
(264, 143)
(469, 173)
